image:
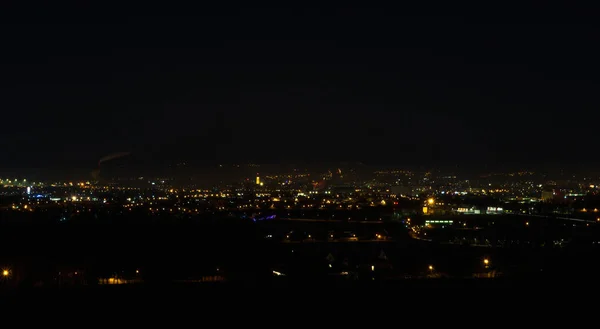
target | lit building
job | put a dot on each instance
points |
(494, 210)
(438, 222)
(548, 195)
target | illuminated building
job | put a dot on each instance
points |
(438, 222)
(548, 195)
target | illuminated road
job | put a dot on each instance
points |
(337, 241)
(563, 218)
(416, 237)
(329, 220)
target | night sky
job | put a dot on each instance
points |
(459, 86)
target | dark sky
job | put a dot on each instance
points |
(443, 86)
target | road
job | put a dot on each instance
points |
(337, 241)
(330, 220)
(563, 218)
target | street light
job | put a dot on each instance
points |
(5, 273)
(430, 201)
(430, 267)
(486, 262)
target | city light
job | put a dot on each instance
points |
(298, 199)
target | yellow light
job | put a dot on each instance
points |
(5, 273)
(486, 261)
(430, 267)
(430, 201)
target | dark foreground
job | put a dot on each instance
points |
(291, 293)
(429, 303)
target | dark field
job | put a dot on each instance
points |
(237, 251)
(324, 302)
